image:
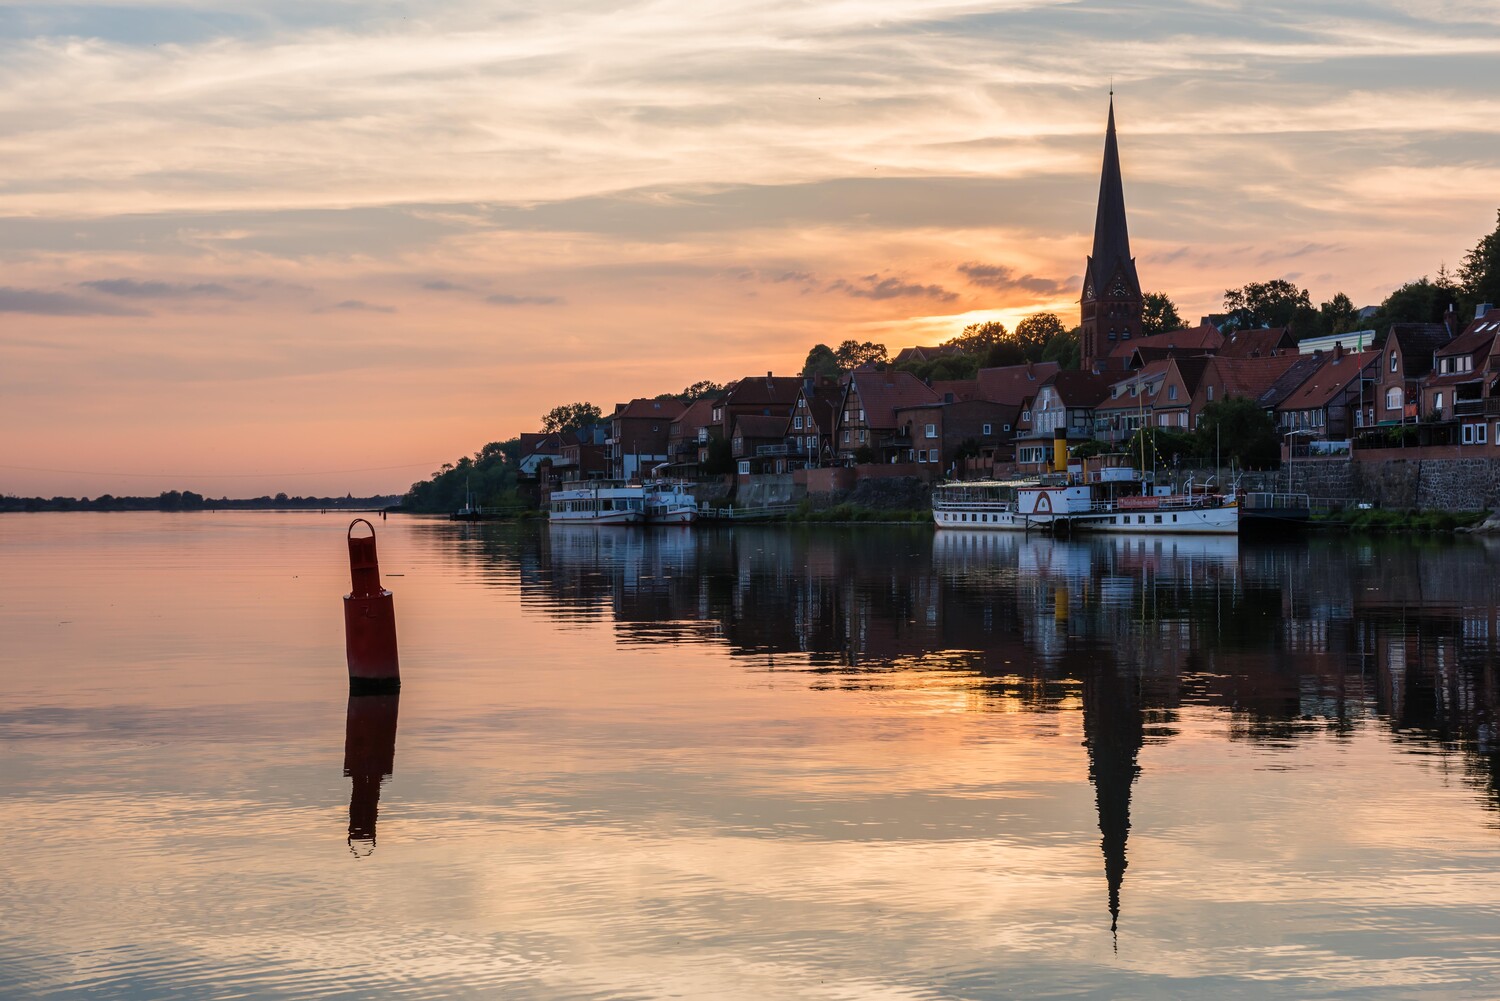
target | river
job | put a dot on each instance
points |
(759, 762)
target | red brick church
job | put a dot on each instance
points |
(1112, 300)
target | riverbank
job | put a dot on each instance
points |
(1381, 520)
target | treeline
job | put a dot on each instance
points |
(187, 500)
(488, 479)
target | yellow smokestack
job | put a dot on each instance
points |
(1060, 452)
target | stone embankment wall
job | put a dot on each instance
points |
(901, 487)
(1405, 483)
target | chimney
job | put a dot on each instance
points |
(1450, 320)
(1338, 350)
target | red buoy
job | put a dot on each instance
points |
(369, 621)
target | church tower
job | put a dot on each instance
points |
(1112, 300)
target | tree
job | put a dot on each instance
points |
(1033, 333)
(1421, 301)
(1338, 315)
(1003, 354)
(821, 361)
(699, 390)
(1159, 314)
(1240, 431)
(978, 338)
(852, 354)
(1480, 272)
(1276, 303)
(1063, 349)
(570, 417)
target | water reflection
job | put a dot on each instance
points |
(369, 757)
(1287, 641)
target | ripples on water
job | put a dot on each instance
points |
(750, 763)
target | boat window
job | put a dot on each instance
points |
(1156, 518)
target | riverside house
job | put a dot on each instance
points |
(867, 414)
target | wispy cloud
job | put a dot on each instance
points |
(441, 285)
(359, 306)
(129, 288)
(506, 299)
(876, 287)
(41, 303)
(1005, 279)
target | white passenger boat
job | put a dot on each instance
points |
(670, 503)
(1090, 497)
(599, 502)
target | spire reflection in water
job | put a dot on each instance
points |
(369, 756)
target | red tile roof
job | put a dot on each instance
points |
(882, 393)
(667, 410)
(962, 389)
(763, 391)
(759, 426)
(1081, 389)
(1202, 338)
(1248, 378)
(1329, 380)
(1014, 383)
(1257, 343)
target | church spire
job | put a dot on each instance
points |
(1111, 234)
(1112, 298)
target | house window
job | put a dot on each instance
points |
(1393, 398)
(1393, 361)
(1437, 402)
(1026, 415)
(1111, 333)
(932, 430)
(1171, 392)
(861, 435)
(1468, 434)
(861, 414)
(1182, 419)
(988, 429)
(1005, 427)
(846, 435)
(1210, 394)
(745, 467)
(797, 423)
(801, 403)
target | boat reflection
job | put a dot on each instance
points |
(369, 756)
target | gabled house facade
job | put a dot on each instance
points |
(639, 432)
(867, 414)
(810, 429)
(1463, 379)
(1407, 359)
(944, 433)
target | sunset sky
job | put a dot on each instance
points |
(323, 246)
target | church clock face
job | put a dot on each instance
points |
(1088, 289)
(1118, 291)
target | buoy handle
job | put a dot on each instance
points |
(364, 564)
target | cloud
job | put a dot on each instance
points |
(129, 288)
(876, 287)
(441, 285)
(1005, 279)
(360, 306)
(505, 299)
(40, 303)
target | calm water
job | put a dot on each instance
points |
(751, 764)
